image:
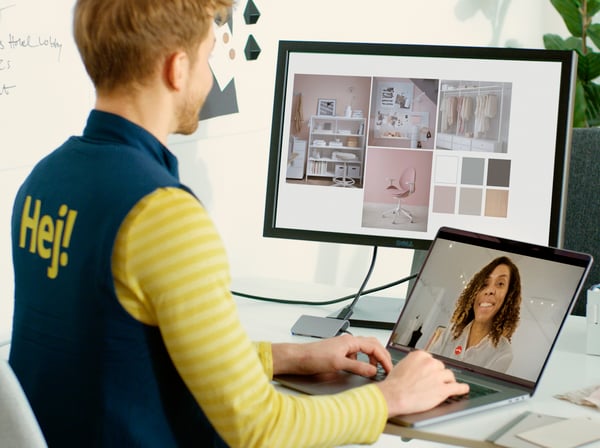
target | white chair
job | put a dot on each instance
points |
(406, 187)
(18, 425)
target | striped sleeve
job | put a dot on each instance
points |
(171, 271)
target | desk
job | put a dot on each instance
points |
(569, 368)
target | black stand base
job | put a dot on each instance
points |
(375, 312)
(381, 312)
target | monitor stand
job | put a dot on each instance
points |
(381, 312)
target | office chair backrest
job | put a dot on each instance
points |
(582, 224)
(408, 179)
(18, 425)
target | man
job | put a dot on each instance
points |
(124, 332)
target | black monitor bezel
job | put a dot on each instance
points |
(568, 60)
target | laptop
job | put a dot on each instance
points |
(458, 287)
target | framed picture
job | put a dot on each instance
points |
(395, 95)
(326, 107)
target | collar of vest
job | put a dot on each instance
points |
(112, 127)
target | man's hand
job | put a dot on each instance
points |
(418, 383)
(331, 355)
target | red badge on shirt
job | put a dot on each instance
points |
(458, 350)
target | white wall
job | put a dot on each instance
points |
(225, 162)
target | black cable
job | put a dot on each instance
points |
(325, 302)
(347, 311)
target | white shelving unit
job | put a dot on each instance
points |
(336, 148)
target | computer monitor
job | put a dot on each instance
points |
(382, 144)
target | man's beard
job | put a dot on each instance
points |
(188, 117)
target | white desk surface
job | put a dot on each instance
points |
(569, 368)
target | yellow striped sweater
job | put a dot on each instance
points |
(171, 271)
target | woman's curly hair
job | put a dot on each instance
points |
(506, 319)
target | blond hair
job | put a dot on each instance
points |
(123, 42)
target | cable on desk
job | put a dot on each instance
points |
(347, 311)
(325, 302)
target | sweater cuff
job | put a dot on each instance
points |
(381, 418)
(265, 354)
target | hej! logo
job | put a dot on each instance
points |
(49, 236)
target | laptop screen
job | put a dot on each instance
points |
(490, 304)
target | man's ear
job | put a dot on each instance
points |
(176, 70)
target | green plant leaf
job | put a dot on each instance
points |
(592, 100)
(555, 42)
(588, 67)
(586, 110)
(579, 119)
(593, 7)
(575, 43)
(593, 33)
(569, 11)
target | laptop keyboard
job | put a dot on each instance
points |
(475, 390)
(381, 373)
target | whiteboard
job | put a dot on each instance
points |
(45, 94)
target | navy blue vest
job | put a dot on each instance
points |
(94, 375)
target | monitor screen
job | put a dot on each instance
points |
(382, 144)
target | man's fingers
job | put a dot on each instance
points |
(360, 367)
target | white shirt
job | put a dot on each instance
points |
(483, 354)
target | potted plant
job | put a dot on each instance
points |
(582, 213)
(578, 15)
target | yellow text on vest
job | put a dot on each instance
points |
(49, 236)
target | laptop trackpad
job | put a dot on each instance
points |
(323, 383)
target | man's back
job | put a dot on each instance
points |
(93, 374)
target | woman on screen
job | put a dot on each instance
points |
(484, 319)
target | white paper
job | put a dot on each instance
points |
(507, 436)
(565, 434)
